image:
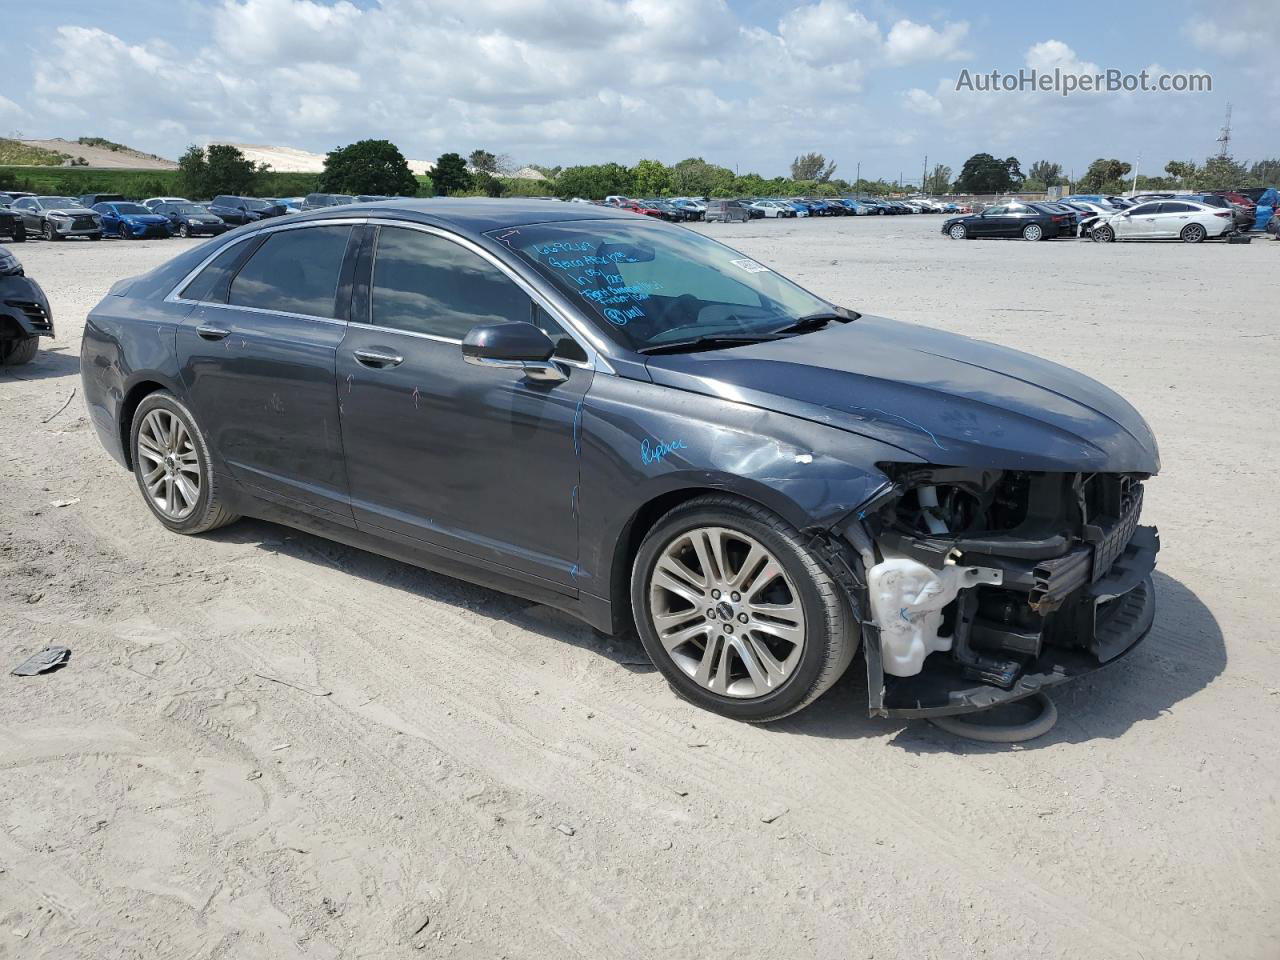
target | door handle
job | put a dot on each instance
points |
(211, 333)
(372, 358)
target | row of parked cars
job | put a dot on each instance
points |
(1189, 217)
(95, 215)
(681, 209)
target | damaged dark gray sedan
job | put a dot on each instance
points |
(636, 424)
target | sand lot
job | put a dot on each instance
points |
(488, 778)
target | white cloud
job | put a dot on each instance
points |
(923, 102)
(912, 42)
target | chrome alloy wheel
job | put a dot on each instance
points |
(726, 612)
(169, 463)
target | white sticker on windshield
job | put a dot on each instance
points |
(750, 266)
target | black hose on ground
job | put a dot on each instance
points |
(1038, 726)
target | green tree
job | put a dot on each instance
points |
(1222, 173)
(487, 184)
(983, 173)
(939, 180)
(368, 166)
(595, 182)
(652, 178)
(482, 161)
(193, 173)
(1046, 172)
(694, 177)
(1266, 173)
(450, 175)
(1183, 171)
(812, 166)
(221, 168)
(1104, 176)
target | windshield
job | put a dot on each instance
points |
(131, 208)
(51, 203)
(187, 208)
(652, 284)
(252, 204)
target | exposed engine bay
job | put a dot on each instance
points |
(987, 585)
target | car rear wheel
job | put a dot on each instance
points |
(1193, 233)
(15, 352)
(737, 613)
(173, 468)
(1103, 234)
(958, 231)
(1033, 231)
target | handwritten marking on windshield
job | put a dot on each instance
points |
(659, 449)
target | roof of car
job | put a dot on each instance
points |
(475, 214)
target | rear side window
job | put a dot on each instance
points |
(423, 283)
(294, 271)
(1176, 208)
(210, 284)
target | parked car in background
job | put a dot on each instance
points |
(191, 219)
(238, 210)
(12, 225)
(25, 316)
(756, 479)
(319, 201)
(1012, 219)
(8, 196)
(773, 209)
(56, 218)
(727, 211)
(152, 202)
(694, 208)
(132, 221)
(1240, 215)
(90, 200)
(1185, 220)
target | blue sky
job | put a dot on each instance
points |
(748, 84)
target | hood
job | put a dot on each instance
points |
(947, 399)
(75, 210)
(143, 217)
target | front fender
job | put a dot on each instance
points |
(639, 442)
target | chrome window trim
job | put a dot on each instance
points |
(556, 309)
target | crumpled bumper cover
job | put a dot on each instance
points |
(1117, 613)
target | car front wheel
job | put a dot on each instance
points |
(737, 613)
(50, 233)
(184, 231)
(173, 468)
(958, 231)
(1103, 234)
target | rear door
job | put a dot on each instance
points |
(258, 361)
(472, 460)
(1173, 216)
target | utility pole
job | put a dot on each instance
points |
(1134, 189)
(924, 174)
(857, 181)
(1224, 138)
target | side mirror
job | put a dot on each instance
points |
(513, 345)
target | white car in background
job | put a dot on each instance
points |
(1186, 220)
(774, 208)
(152, 202)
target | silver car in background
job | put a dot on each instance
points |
(56, 218)
(1187, 220)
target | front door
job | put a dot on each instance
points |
(469, 459)
(259, 369)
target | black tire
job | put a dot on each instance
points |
(831, 637)
(50, 233)
(124, 233)
(1033, 232)
(211, 510)
(1193, 233)
(96, 236)
(958, 231)
(14, 353)
(20, 234)
(184, 231)
(1103, 234)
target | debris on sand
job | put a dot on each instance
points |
(50, 658)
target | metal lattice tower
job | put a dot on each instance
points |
(1224, 138)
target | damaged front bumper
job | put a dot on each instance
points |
(1049, 578)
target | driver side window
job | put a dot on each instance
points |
(998, 211)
